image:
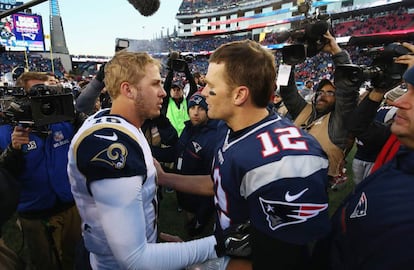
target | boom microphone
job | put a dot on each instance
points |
(145, 7)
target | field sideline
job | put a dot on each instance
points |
(170, 220)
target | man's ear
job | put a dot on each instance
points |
(126, 89)
(241, 94)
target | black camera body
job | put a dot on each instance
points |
(41, 106)
(177, 61)
(307, 40)
(383, 72)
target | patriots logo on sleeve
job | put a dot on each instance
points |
(115, 155)
(280, 214)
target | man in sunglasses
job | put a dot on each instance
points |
(324, 116)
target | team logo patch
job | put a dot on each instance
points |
(361, 208)
(115, 155)
(58, 136)
(197, 147)
(281, 214)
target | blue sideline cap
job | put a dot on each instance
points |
(198, 99)
(409, 76)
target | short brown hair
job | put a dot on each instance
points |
(126, 67)
(248, 63)
(29, 76)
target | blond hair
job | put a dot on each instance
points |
(126, 67)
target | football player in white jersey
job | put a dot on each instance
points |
(113, 178)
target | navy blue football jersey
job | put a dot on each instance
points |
(275, 175)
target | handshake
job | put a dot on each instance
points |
(234, 241)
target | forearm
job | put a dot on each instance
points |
(341, 57)
(194, 184)
(191, 81)
(293, 101)
(87, 98)
(128, 239)
(363, 115)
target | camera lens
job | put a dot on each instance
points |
(47, 107)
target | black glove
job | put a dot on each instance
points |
(100, 75)
(234, 241)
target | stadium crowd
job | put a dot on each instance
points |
(275, 172)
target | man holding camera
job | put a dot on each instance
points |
(372, 229)
(46, 209)
(175, 103)
(324, 117)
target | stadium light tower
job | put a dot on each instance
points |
(57, 35)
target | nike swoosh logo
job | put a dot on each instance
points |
(290, 198)
(113, 137)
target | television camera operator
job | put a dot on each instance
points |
(324, 116)
(175, 104)
(37, 156)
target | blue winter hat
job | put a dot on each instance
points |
(198, 99)
(409, 76)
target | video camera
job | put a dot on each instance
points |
(177, 61)
(383, 73)
(41, 106)
(307, 37)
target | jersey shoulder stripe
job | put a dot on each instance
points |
(109, 147)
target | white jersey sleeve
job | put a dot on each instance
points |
(127, 239)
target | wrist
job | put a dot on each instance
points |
(14, 148)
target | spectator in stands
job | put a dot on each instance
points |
(46, 208)
(193, 154)
(278, 105)
(307, 90)
(324, 117)
(372, 229)
(52, 80)
(175, 104)
(259, 176)
(199, 81)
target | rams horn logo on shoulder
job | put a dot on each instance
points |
(281, 214)
(115, 155)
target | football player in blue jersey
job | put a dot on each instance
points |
(113, 177)
(266, 172)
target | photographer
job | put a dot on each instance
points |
(324, 117)
(371, 134)
(37, 157)
(372, 229)
(175, 104)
